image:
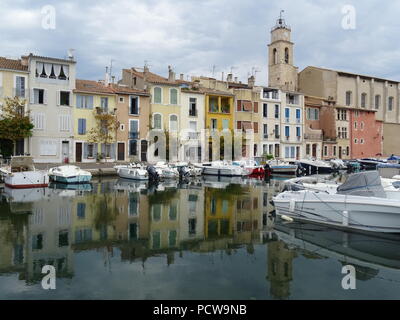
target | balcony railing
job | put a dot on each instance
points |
(313, 136)
(101, 110)
(133, 135)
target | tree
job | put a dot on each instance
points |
(15, 123)
(106, 129)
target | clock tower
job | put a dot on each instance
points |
(282, 73)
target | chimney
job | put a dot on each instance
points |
(107, 78)
(229, 77)
(196, 84)
(25, 60)
(181, 76)
(236, 79)
(171, 74)
(251, 81)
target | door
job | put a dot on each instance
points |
(121, 151)
(340, 152)
(65, 151)
(314, 150)
(143, 150)
(297, 153)
(78, 152)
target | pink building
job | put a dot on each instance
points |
(365, 134)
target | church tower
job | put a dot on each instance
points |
(282, 73)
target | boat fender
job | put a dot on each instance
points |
(286, 218)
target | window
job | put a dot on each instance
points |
(192, 107)
(275, 56)
(63, 238)
(347, 151)
(265, 110)
(64, 122)
(173, 211)
(298, 132)
(64, 98)
(134, 105)
(172, 235)
(356, 141)
(390, 104)
(213, 206)
(313, 113)
(265, 131)
(213, 107)
(157, 95)
(20, 87)
(325, 150)
(81, 210)
(377, 101)
(81, 126)
(173, 122)
(362, 141)
(173, 96)
(225, 124)
(308, 149)
(133, 205)
(133, 146)
(287, 131)
(286, 55)
(157, 121)
(334, 150)
(37, 242)
(90, 149)
(192, 226)
(104, 104)
(133, 129)
(84, 102)
(348, 98)
(355, 125)
(276, 111)
(121, 99)
(363, 100)
(287, 114)
(298, 114)
(38, 96)
(277, 131)
(214, 124)
(362, 125)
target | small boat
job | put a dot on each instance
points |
(390, 168)
(166, 171)
(370, 163)
(314, 166)
(223, 168)
(22, 174)
(338, 164)
(132, 171)
(360, 203)
(252, 167)
(69, 174)
(281, 167)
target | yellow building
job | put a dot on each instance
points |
(14, 83)
(91, 98)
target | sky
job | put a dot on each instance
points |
(196, 37)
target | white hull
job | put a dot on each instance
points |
(133, 173)
(27, 179)
(344, 211)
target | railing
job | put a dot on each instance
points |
(313, 136)
(100, 110)
(133, 135)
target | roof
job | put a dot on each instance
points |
(215, 92)
(152, 77)
(126, 90)
(31, 55)
(345, 73)
(91, 86)
(12, 64)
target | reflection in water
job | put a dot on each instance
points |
(127, 222)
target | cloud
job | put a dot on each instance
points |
(193, 36)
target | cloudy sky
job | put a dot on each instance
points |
(195, 35)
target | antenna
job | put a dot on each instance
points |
(111, 63)
(213, 70)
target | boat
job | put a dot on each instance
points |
(360, 203)
(69, 174)
(22, 174)
(281, 167)
(390, 168)
(223, 168)
(314, 166)
(132, 172)
(252, 167)
(166, 171)
(370, 163)
(338, 164)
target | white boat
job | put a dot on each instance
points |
(252, 167)
(337, 164)
(166, 171)
(360, 203)
(223, 168)
(281, 167)
(314, 166)
(69, 174)
(22, 174)
(132, 171)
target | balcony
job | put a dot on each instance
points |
(313, 136)
(100, 110)
(270, 94)
(133, 135)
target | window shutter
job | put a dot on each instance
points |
(95, 150)
(58, 97)
(45, 96)
(84, 126)
(112, 151)
(239, 106)
(85, 150)
(103, 149)
(256, 107)
(239, 125)
(255, 127)
(32, 96)
(79, 126)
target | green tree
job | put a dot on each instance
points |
(15, 123)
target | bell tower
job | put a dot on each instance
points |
(282, 73)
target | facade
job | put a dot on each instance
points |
(51, 82)
(133, 114)
(312, 127)
(14, 83)
(92, 98)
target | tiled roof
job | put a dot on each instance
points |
(12, 64)
(126, 90)
(91, 86)
(152, 77)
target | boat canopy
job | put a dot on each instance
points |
(367, 184)
(22, 163)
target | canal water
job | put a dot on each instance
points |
(206, 239)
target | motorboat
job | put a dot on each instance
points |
(132, 171)
(281, 167)
(251, 166)
(338, 164)
(69, 174)
(22, 174)
(223, 168)
(166, 171)
(390, 168)
(370, 163)
(314, 166)
(360, 203)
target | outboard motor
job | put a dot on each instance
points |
(153, 175)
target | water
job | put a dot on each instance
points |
(208, 239)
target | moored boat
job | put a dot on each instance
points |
(133, 172)
(223, 168)
(313, 166)
(281, 167)
(69, 174)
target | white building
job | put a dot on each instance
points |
(51, 82)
